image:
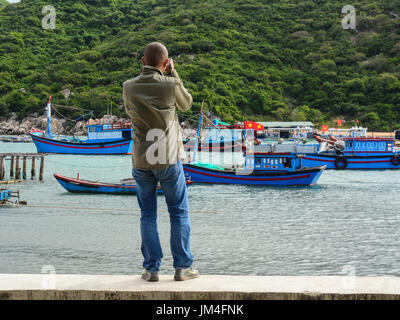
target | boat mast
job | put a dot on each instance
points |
(48, 108)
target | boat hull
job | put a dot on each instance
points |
(46, 145)
(84, 186)
(303, 177)
(354, 162)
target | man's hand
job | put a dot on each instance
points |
(170, 66)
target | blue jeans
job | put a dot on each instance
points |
(172, 180)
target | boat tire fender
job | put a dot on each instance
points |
(395, 159)
(341, 162)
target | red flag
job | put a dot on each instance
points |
(249, 124)
(325, 128)
(258, 126)
(339, 122)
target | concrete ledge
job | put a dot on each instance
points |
(215, 287)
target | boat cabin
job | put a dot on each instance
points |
(368, 145)
(105, 132)
(215, 135)
(272, 162)
(352, 132)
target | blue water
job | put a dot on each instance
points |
(349, 221)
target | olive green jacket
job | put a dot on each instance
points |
(151, 100)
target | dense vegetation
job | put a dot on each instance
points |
(257, 59)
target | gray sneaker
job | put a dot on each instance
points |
(150, 276)
(186, 274)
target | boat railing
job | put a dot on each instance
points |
(117, 126)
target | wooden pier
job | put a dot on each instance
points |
(16, 174)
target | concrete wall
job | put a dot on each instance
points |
(215, 287)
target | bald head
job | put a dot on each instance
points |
(155, 54)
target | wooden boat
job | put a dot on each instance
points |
(110, 138)
(267, 169)
(6, 196)
(126, 186)
(356, 153)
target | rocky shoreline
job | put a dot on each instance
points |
(13, 126)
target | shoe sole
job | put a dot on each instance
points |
(151, 279)
(187, 278)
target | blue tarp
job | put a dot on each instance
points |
(217, 122)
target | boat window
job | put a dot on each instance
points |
(349, 145)
(287, 163)
(126, 134)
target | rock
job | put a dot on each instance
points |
(92, 122)
(79, 126)
(27, 125)
(56, 125)
(10, 124)
(301, 34)
(66, 92)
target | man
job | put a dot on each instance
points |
(151, 100)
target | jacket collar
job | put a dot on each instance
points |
(150, 69)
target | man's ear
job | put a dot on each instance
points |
(143, 61)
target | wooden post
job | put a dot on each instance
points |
(12, 167)
(2, 167)
(41, 168)
(24, 168)
(33, 169)
(17, 168)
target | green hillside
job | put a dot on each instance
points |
(262, 60)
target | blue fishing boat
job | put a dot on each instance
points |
(126, 186)
(102, 139)
(355, 153)
(267, 169)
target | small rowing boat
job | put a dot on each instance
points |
(126, 186)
